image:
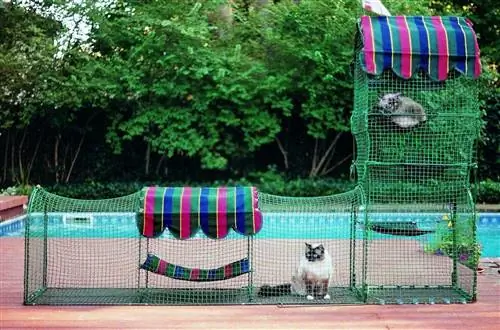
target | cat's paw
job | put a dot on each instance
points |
(327, 297)
(309, 297)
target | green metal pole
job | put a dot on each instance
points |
(26, 252)
(454, 274)
(352, 247)
(45, 246)
(472, 201)
(365, 198)
(250, 273)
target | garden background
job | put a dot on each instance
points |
(100, 98)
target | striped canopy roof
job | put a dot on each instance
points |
(406, 44)
(184, 210)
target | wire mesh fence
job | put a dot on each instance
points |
(404, 235)
(416, 140)
(78, 257)
(100, 257)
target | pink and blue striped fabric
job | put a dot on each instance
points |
(407, 44)
(184, 210)
(159, 266)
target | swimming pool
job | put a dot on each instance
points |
(276, 225)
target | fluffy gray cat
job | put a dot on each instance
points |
(403, 111)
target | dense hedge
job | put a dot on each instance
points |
(299, 187)
(488, 191)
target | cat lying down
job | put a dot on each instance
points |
(402, 111)
(311, 279)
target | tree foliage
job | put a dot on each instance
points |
(168, 90)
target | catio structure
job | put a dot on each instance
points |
(405, 234)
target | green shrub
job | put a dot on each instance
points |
(95, 190)
(489, 192)
(16, 190)
(465, 249)
(269, 182)
(266, 184)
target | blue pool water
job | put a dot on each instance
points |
(285, 226)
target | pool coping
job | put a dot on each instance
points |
(20, 218)
(12, 206)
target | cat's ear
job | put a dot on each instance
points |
(397, 95)
(308, 245)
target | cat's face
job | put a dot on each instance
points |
(314, 252)
(390, 102)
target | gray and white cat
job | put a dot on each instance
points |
(403, 111)
(311, 279)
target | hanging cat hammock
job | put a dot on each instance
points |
(184, 210)
(399, 228)
(407, 44)
(159, 266)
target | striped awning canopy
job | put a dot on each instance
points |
(407, 44)
(184, 210)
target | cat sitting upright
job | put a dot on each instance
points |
(315, 271)
(312, 277)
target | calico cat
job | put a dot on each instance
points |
(403, 111)
(312, 277)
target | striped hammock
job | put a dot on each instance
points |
(184, 210)
(159, 266)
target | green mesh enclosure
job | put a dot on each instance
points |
(92, 252)
(405, 235)
(421, 172)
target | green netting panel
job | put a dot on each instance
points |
(290, 223)
(201, 253)
(436, 266)
(415, 155)
(76, 245)
(91, 252)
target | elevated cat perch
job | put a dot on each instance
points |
(406, 228)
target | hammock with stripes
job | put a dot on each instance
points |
(159, 266)
(186, 210)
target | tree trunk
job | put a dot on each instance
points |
(79, 148)
(13, 158)
(32, 161)
(6, 157)
(283, 152)
(147, 158)
(321, 165)
(158, 166)
(73, 161)
(56, 157)
(20, 157)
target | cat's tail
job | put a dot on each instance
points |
(274, 291)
